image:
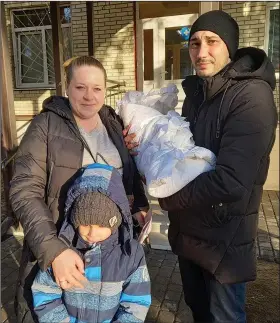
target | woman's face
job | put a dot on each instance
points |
(86, 91)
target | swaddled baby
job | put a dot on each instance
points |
(162, 100)
(167, 155)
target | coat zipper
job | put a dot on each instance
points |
(199, 108)
(97, 316)
(50, 177)
(197, 113)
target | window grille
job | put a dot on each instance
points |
(33, 48)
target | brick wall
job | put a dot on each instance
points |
(28, 102)
(113, 37)
(251, 18)
(79, 28)
(114, 40)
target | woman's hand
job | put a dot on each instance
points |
(140, 217)
(68, 269)
(128, 139)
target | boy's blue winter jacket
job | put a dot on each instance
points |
(118, 288)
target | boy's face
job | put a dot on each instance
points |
(94, 233)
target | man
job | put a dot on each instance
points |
(214, 219)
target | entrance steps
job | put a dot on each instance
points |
(160, 224)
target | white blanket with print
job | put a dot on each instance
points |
(167, 155)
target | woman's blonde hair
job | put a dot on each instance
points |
(77, 61)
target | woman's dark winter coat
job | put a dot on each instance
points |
(48, 158)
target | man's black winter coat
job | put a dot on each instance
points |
(214, 219)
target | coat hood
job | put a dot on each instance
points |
(59, 105)
(106, 180)
(252, 63)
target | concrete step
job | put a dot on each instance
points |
(158, 236)
(159, 241)
(160, 224)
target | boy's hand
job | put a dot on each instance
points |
(68, 269)
(128, 139)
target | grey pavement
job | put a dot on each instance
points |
(167, 297)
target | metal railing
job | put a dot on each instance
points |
(7, 217)
(8, 160)
(115, 92)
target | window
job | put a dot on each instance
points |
(177, 59)
(272, 36)
(33, 48)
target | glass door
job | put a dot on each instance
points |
(165, 55)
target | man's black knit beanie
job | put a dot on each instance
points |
(222, 24)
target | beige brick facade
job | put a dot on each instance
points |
(113, 37)
(114, 42)
(251, 18)
(79, 28)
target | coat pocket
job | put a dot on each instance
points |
(219, 216)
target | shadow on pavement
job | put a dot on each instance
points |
(10, 259)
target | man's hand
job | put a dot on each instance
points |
(128, 139)
(68, 269)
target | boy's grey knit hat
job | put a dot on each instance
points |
(95, 208)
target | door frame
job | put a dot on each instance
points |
(158, 62)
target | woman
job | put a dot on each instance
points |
(67, 134)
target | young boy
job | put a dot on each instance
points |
(98, 226)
